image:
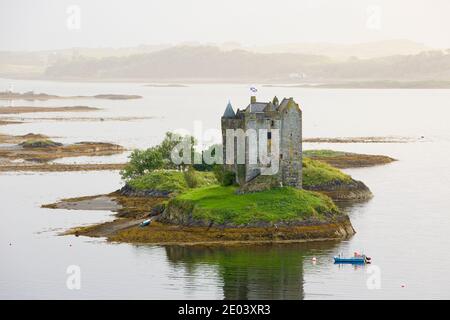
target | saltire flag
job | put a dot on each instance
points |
(253, 89)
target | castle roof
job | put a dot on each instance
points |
(229, 112)
(285, 102)
(259, 107)
(256, 107)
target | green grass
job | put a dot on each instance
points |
(319, 173)
(323, 153)
(169, 180)
(315, 173)
(221, 204)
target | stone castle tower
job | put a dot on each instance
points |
(287, 118)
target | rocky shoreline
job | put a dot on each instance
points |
(127, 230)
(350, 191)
(129, 191)
(134, 206)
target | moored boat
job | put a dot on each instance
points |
(356, 259)
(145, 223)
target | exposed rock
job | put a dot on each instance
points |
(129, 191)
(157, 210)
(158, 233)
(338, 190)
(40, 144)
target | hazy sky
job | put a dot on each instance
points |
(53, 24)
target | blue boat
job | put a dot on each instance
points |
(357, 259)
(145, 223)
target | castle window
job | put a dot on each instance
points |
(272, 123)
(281, 156)
(269, 135)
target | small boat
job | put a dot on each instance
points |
(145, 223)
(356, 259)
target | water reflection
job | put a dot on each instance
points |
(253, 272)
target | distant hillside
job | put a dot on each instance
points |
(194, 63)
(344, 51)
(34, 63)
(211, 63)
(187, 62)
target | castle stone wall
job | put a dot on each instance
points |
(291, 146)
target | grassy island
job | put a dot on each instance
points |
(222, 205)
(341, 159)
(201, 205)
(316, 173)
(317, 176)
(209, 213)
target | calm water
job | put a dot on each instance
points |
(405, 227)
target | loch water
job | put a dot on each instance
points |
(405, 228)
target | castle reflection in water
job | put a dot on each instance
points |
(251, 272)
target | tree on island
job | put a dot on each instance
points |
(155, 158)
(158, 157)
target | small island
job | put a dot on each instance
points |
(31, 96)
(27, 109)
(35, 152)
(344, 160)
(228, 204)
(7, 122)
(167, 85)
(148, 195)
(209, 212)
(389, 139)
